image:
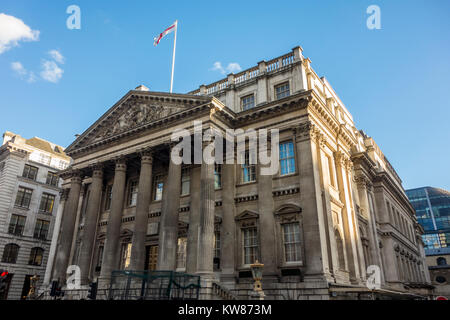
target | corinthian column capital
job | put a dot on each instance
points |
(121, 163)
(97, 170)
(306, 130)
(146, 155)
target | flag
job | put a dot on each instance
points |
(164, 33)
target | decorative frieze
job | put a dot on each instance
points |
(285, 192)
(246, 198)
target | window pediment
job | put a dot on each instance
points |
(247, 215)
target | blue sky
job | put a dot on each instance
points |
(395, 81)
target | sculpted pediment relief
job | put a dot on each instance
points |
(134, 116)
(136, 110)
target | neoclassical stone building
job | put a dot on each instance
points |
(335, 207)
(29, 197)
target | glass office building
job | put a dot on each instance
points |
(432, 207)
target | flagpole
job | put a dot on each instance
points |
(173, 58)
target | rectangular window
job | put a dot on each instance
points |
(248, 170)
(217, 176)
(248, 102)
(108, 197)
(52, 179)
(16, 225)
(132, 193)
(217, 244)
(99, 258)
(287, 158)
(36, 256)
(41, 229)
(47, 202)
(158, 189)
(181, 252)
(125, 256)
(29, 172)
(23, 198)
(185, 182)
(152, 257)
(291, 239)
(282, 90)
(250, 245)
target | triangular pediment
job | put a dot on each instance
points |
(247, 214)
(136, 109)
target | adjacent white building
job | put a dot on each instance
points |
(29, 197)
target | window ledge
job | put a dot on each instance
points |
(285, 175)
(292, 265)
(246, 183)
(21, 208)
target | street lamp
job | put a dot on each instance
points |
(257, 269)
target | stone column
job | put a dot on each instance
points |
(90, 222)
(316, 257)
(67, 229)
(194, 221)
(111, 252)
(142, 210)
(56, 229)
(207, 205)
(347, 217)
(267, 224)
(168, 232)
(364, 185)
(228, 239)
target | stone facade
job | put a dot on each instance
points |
(335, 207)
(29, 197)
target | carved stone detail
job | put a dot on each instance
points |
(135, 115)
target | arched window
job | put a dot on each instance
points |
(10, 253)
(441, 261)
(36, 256)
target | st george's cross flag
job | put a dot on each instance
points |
(170, 29)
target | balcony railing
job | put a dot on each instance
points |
(242, 77)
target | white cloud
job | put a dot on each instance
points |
(234, 67)
(18, 68)
(218, 67)
(13, 30)
(50, 71)
(231, 68)
(23, 73)
(57, 56)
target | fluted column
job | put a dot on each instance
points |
(168, 231)
(68, 226)
(111, 251)
(316, 256)
(194, 222)
(63, 194)
(351, 248)
(142, 208)
(207, 204)
(90, 222)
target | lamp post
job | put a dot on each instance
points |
(257, 269)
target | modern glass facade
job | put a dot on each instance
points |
(432, 207)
